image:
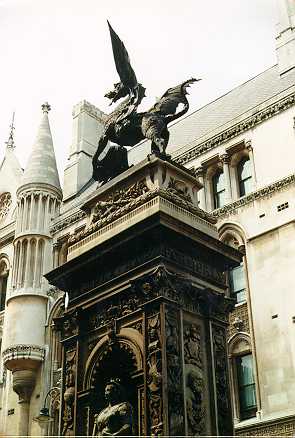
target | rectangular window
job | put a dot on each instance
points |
(237, 283)
(246, 386)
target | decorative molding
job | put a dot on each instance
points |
(237, 129)
(23, 351)
(5, 203)
(258, 194)
(120, 210)
(238, 320)
(64, 223)
(276, 428)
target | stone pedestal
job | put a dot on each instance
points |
(147, 305)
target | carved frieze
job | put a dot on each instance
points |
(117, 200)
(63, 223)
(275, 429)
(231, 208)
(237, 129)
(194, 380)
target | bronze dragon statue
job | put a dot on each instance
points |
(127, 127)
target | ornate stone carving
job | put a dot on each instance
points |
(5, 203)
(174, 374)
(178, 188)
(221, 381)
(70, 325)
(69, 393)
(67, 221)
(236, 130)
(154, 374)
(23, 351)
(238, 320)
(275, 429)
(229, 209)
(23, 384)
(194, 380)
(117, 200)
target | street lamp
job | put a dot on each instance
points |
(44, 416)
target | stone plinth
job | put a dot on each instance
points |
(147, 304)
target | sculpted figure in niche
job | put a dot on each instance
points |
(116, 418)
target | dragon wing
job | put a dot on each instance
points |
(170, 100)
(122, 61)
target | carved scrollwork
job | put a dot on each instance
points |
(154, 375)
(69, 393)
(174, 374)
(221, 379)
(194, 380)
(178, 188)
(5, 203)
(117, 200)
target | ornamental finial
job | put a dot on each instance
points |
(46, 108)
(10, 142)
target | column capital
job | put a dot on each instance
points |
(248, 145)
(200, 171)
(224, 158)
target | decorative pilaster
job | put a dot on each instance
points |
(201, 193)
(251, 158)
(225, 159)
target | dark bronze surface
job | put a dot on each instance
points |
(127, 127)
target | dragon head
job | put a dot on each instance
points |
(117, 93)
(120, 90)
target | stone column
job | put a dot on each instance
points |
(39, 211)
(201, 193)
(228, 191)
(251, 158)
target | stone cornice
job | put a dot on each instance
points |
(258, 194)
(23, 351)
(68, 220)
(237, 129)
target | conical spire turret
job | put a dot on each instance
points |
(42, 167)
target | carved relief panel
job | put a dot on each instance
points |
(221, 380)
(196, 377)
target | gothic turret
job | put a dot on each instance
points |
(38, 199)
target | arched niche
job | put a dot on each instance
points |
(116, 356)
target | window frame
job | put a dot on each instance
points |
(241, 181)
(215, 192)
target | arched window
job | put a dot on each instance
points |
(244, 176)
(242, 377)
(218, 186)
(3, 283)
(237, 283)
(246, 386)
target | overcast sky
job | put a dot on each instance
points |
(59, 51)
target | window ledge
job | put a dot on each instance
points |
(253, 196)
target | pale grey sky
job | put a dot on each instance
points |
(59, 51)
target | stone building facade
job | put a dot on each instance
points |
(242, 149)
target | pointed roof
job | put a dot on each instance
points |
(41, 167)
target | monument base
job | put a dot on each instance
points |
(147, 305)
